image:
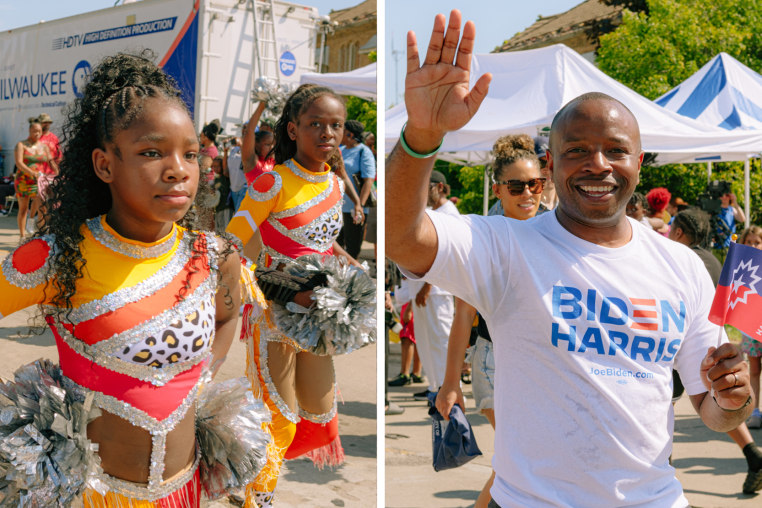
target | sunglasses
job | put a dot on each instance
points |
(516, 187)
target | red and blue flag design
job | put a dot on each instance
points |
(738, 301)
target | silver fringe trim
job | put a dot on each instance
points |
(343, 317)
(230, 436)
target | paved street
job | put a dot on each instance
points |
(710, 466)
(301, 485)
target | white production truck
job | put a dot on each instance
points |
(215, 50)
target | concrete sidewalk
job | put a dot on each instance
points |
(301, 484)
(710, 465)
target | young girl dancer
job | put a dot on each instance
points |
(143, 310)
(518, 183)
(297, 209)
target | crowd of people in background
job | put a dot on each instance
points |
(499, 265)
(228, 163)
(274, 193)
(465, 334)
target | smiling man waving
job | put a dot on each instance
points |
(588, 312)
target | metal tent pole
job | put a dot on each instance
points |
(486, 191)
(746, 192)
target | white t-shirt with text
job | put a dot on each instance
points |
(585, 340)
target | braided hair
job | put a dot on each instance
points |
(113, 99)
(695, 224)
(284, 147)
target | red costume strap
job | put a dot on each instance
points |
(157, 401)
(312, 213)
(106, 325)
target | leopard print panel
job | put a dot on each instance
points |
(183, 340)
(326, 230)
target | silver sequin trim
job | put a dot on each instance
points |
(303, 207)
(155, 376)
(266, 196)
(121, 340)
(150, 493)
(325, 417)
(306, 175)
(101, 352)
(124, 296)
(158, 429)
(272, 390)
(134, 415)
(128, 249)
(156, 469)
(301, 235)
(31, 279)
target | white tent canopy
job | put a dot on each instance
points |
(723, 93)
(529, 87)
(359, 82)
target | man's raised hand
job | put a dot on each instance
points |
(437, 96)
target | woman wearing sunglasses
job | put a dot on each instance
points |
(518, 184)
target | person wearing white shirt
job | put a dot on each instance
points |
(584, 342)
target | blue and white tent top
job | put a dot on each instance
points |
(359, 82)
(724, 92)
(529, 87)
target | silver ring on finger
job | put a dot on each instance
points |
(735, 379)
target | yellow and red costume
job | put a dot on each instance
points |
(137, 341)
(297, 212)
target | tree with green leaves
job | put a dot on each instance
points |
(652, 53)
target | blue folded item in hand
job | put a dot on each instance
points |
(453, 441)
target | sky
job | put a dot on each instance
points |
(495, 20)
(16, 13)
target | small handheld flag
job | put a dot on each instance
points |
(738, 299)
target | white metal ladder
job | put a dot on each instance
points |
(265, 41)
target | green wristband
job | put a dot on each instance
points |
(413, 153)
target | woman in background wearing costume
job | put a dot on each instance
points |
(143, 312)
(297, 209)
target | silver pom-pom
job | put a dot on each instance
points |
(275, 95)
(343, 317)
(45, 456)
(230, 436)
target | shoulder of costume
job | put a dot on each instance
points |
(266, 185)
(27, 265)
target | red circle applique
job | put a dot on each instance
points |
(31, 256)
(264, 183)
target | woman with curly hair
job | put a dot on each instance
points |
(297, 209)
(142, 309)
(518, 183)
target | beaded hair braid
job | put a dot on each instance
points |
(284, 147)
